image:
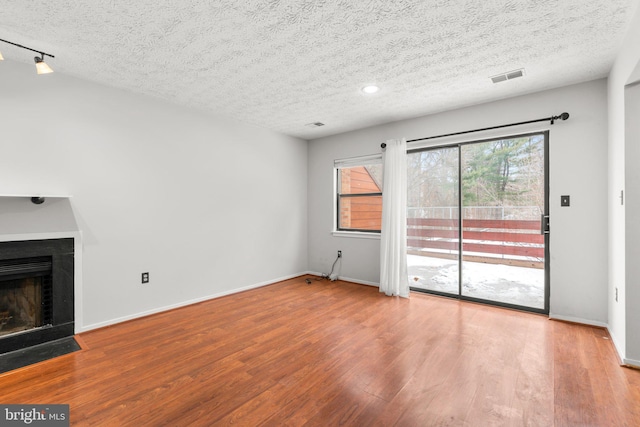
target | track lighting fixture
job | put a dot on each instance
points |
(41, 66)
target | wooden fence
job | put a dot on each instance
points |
(513, 242)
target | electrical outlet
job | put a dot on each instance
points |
(145, 277)
(339, 254)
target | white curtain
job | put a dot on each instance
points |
(393, 240)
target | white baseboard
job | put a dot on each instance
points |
(578, 320)
(617, 347)
(348, 279)
(616, 344)
(360, 282)
(183, 304)
(314, 273)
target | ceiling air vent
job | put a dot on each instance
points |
(314, 124)
(508, 76)
(500, 78)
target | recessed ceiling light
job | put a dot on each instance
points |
(370, 89)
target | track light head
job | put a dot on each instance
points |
(41, 66)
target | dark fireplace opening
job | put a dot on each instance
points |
(36, 293)
(25, 294)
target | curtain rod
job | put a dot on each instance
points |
(552, 119)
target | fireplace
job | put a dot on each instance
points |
(36, 292)
(25, 294)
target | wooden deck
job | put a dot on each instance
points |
(336, 353)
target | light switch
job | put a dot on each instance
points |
(564, 201)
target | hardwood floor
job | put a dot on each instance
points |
(325, 354)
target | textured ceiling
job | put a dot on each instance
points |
(283, 64)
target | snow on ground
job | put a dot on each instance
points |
(496, 282)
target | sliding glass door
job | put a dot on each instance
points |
(433, 217)
(475, 221)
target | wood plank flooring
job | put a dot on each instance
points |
(325, 354)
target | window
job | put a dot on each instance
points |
(359, 194)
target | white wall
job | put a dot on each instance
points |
(578, 167)
(623, 263)
(202, 203)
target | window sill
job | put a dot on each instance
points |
(356, 234)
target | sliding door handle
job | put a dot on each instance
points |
(544, 224)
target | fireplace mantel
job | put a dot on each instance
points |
(19, 217)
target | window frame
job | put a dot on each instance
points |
(338, 195)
